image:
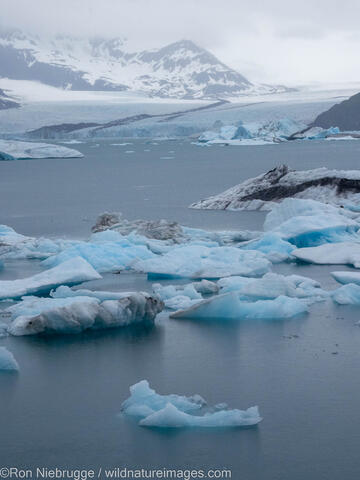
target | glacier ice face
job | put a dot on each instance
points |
(342, 253)
(272, 286)
(74, 314)
(172, 417)
(175, 411)
(230, 306)
(74, 271)
(7, 360)
(347, 294)
(15, 150)
(264, 191)
(144, 401)
(198, 261)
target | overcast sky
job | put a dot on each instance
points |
(267, 40)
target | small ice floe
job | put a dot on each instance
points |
(7, 360)
(177, 411)
(177, 297)
(347, 294)
(341, 253)
(71, 272)
(347, 277)
(230, 306)
(76, 313)
(16, 150)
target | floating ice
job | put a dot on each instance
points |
(171, 411)
(7, 360)
(8, 236)
(230, 306)
(347, 277)
(172, 417)
(347, 294)
(262, 192)
(75, 314)
(197, 261)
(272, 286)
(205, 287)
(71, 272)
(343, 253)
(107, 251)
(144, 401)
(177, 297)
(14, 150)
(273, 246)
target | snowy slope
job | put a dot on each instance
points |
(179, 70)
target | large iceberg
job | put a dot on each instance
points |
(199, 261)
(71, 272)
(7, 360)
(230, 306)
(344, 253)
(260, 193)
(16, 150)
(75, 314)
(175, 411)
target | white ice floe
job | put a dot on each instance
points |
(343, 253)
(176, 411)
(7, 360)
(177, 297)
(16, 150)
(347, 294)
(74, 314)
(74, 271)
(172, 417)
(230, 306)
(8, 237)
(260, 193)
(272, 286)
(347, 277)
(198, 261)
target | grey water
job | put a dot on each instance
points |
(62, 408)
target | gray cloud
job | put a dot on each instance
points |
(277, 41)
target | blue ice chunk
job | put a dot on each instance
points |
(7, 360)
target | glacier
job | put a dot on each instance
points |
(17, 150)
(262, 192)
(174, 411)
(7, 360)
(75, 314)
(71, 272)
(230, 306)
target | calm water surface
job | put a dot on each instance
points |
(61, 409)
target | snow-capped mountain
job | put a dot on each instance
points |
(179, 70)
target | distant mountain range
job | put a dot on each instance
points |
(180, 70)
(345, 115)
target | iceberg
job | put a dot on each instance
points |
(8, 236)
(272, 286)
(74, 271)
(7, 360)
(347, 294)
(177, 297)
(199, 261)
(347, 277)
(16, 150)
(264, 191)
(342, 253)
(144, 401)
(230, 306)
(107, 251)
(172, 417)
(75, 314)
(273, 246)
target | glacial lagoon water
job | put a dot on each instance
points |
(62, 408)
